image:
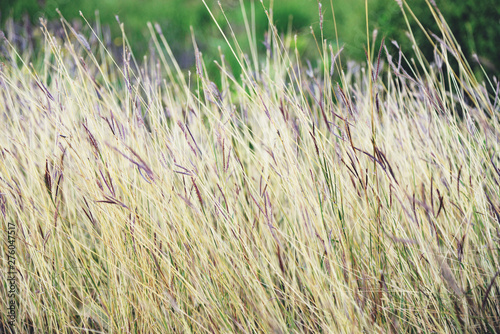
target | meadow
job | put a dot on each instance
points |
(298, 196)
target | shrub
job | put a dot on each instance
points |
(475, 25)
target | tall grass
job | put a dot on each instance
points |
(322, 198)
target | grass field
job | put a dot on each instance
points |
(324, 197)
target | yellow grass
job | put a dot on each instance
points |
(150, 200)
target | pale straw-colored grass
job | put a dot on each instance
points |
(288, 200)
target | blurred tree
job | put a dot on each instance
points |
(475, 23)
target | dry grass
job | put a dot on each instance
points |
(151, 200)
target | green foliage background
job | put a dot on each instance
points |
(475, 23)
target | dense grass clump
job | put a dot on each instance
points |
(306, 198)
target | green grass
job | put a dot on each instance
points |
(318, 198)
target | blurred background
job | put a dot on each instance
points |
(475, 23)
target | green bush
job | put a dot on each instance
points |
(475, 24)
